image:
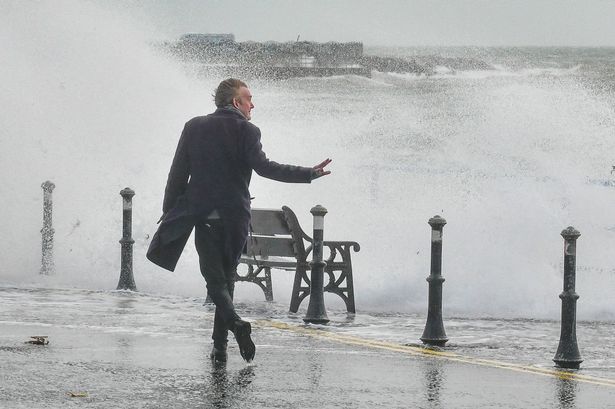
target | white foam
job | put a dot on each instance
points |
(91, 107)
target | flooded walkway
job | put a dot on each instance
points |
(125, 350)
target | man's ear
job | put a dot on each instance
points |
(235, 103)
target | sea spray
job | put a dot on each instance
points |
(88, 104)
(508, 160)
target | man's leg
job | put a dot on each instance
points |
(220, 333)
(209, 241)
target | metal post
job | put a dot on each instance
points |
(47, 266)
(127, 281)
(316, 312)
(567, 355)
(434, 328)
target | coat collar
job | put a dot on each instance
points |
(231, 111)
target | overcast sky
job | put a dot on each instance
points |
(386, 22)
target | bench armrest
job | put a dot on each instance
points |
(345, 245)
(343, 248)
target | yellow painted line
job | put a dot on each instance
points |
(419, 351)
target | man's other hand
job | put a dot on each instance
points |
(319, 170)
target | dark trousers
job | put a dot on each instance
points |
(219, 273)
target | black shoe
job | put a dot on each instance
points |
(218, 354)
(242, 330)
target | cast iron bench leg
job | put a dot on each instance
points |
(268, 290)
(335, 286)
(299, 291)
(263, 281)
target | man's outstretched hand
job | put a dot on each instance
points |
(319, 170)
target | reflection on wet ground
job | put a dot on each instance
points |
(434, 379)
(224, 390)
(566, 392)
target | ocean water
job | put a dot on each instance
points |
(509, 156)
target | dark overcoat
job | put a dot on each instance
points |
(211, 170)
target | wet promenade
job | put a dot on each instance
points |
(123, 350)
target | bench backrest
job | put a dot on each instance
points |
(275, 233)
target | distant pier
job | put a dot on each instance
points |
(220, 55)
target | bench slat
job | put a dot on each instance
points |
(269, 222)
(277, 262)
(270, 246)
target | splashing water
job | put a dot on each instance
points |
(508, 157)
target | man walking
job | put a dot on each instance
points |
(207, 189)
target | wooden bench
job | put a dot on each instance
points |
(277, 241)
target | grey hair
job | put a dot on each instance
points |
(227, 91)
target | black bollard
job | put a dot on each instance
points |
(316, 312)
(127, 281)
(47, 231)
(434, 328)
(567, 355)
